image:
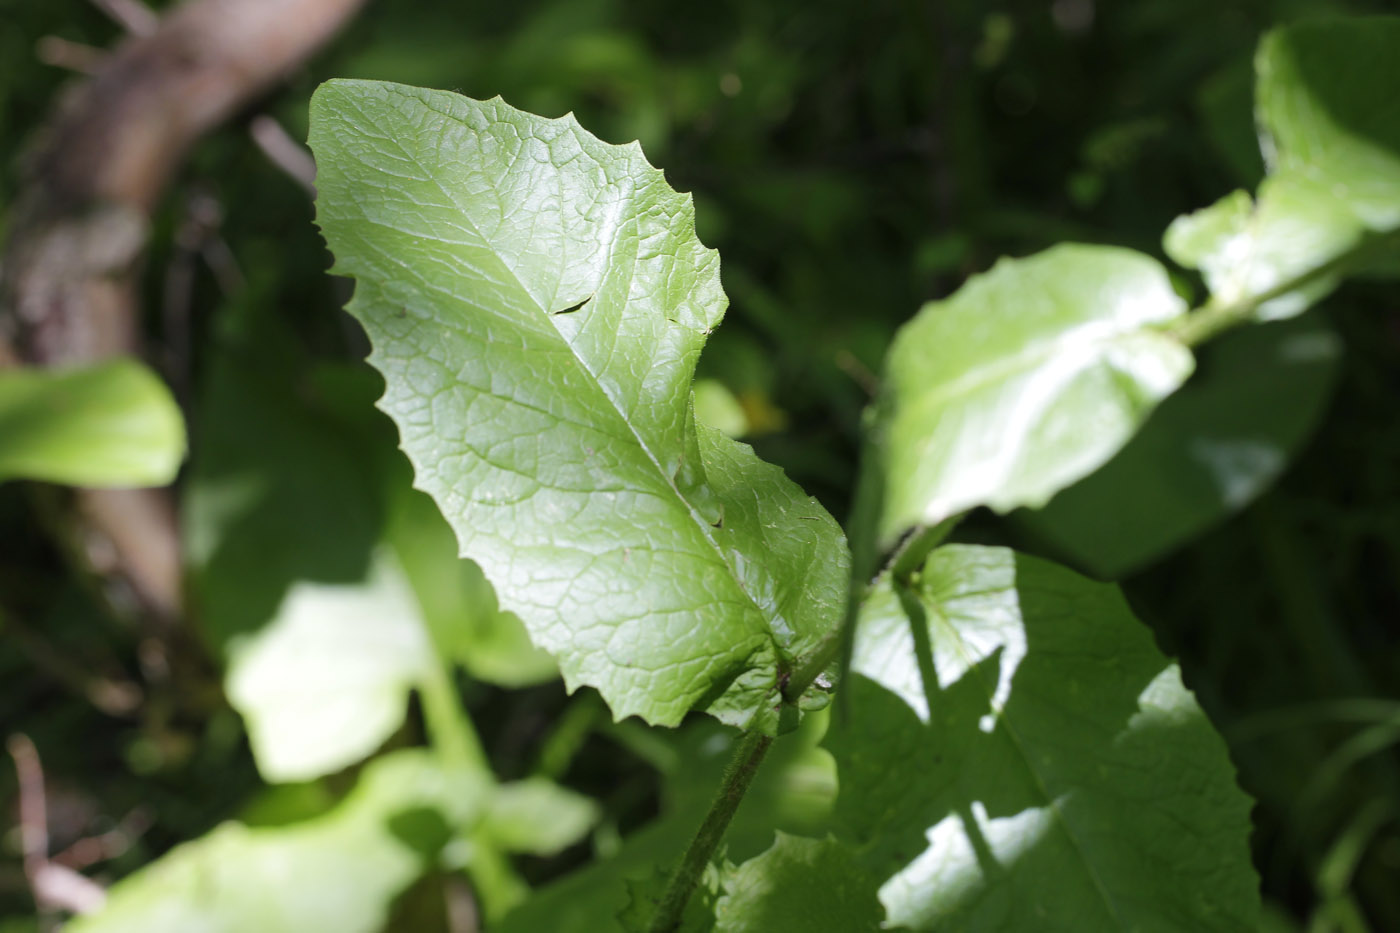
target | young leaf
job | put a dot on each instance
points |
(1330, 130)
(1019, 756)
(537, 300)
(1207, 452)
(112, 424)
(340, 871)
(1025, 380)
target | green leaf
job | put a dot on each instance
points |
(1328, 110)
(1025, 380)
(1019, 756)
(340, 871)
(537, 300)
(458, 604)
(1208, 451)
(538, 817)
(327, 680)
(112, 424)
(797, 886)
(1330, 131)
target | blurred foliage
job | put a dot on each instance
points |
(848, 166)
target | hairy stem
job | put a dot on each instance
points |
(737, 778)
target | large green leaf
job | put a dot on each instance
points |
(1329, 115)
(340, 871)
(1019, 756)
(1025, 380)
(112, 424)
(1208, 451)
(536, 300)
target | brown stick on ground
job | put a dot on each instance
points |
(68, 284)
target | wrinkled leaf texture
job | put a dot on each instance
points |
(536, 300)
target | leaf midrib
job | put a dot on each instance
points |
(969, 664)
(697, 520)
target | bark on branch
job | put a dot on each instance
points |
(68, 283)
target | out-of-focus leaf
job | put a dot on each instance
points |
(1208, 451)
(537, 300)
(327, 680)
(1028, 378)
(340, 871)
(112, 424)
(1330, 131)
(1019, 756)
(538, 817)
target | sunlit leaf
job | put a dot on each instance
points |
(1330, 130)
(537, 300)
(1052, 771)
(340, 871)
(326, 681)
(1208, 451)
(1025, 380)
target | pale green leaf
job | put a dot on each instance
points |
(1025, 380)
(1207, 452)
(538, 817)
(797, 886)
(536, 300)
(458, 604)
(325, 682)
(1019, 756)
(1328, 106)
(111, 424)
(340, 871)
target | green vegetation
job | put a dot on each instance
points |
(661, 689)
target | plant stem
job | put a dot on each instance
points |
(1212, 319)
(497, 884)
(450, 730)
(737, 778)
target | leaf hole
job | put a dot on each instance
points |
(572, 308)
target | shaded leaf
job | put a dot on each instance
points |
(1020, 756)
(112, 424)
(1028, 378)
(537, 300)
(538, 817)
(799, 885)
(1207, 452)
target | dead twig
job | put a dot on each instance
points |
(54, 886)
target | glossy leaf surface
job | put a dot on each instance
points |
(536, 300)
(1053, 773)
(1028, 378)
(112, 424)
